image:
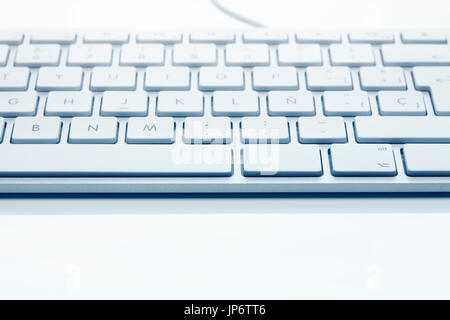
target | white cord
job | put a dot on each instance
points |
(237, 16)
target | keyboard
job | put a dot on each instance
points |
(226, 111)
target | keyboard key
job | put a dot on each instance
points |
(57, 78)
(292, 103)
(154, 130)
(376, 78)
(402, 129)
(215, 130)
(247, 55)
(288, 160)
(353, 55)
(372, 37)
(415, 55)
(14, 79)
(93, 130)
(166, 37)
(333, 78)
(90, 55)
(301, 55)
(35, 55)
(221, 78)
(124, 104)
(424, 37)
(4, 53)
(427, 159)
(2, 128)
(167, 78)
(36, 130)
(219, 37)
(436, 80)
(69, 104)
(322, 37)
(116, 78)
(106, 37)
(11, 37)
(179, 104)
(142, 55)
(235, 104)
(270, 130)
(403, 103)
(346, 104)
(194, 55)
(18, 104)
(326, 130)
(275, 78)
(58, 37)
(116, 160)
(362, 160)
(265, 36)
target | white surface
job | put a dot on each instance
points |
(224, 248)
(238, 248)
(200, 13)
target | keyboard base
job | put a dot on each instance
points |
(222, 185)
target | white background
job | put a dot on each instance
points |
(224, 247)
(199, 13)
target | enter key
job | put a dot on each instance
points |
(362, 160)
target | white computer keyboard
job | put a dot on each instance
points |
(225, 111)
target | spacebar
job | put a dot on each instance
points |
(115, 160)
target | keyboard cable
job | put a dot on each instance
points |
(236, 15)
